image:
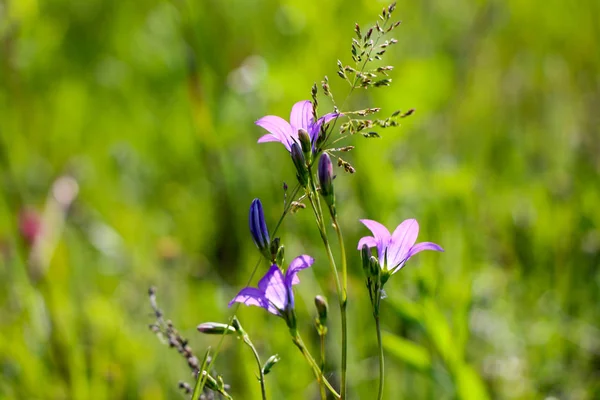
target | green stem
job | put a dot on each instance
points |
(322, 340)
(380, 344)
(344, 301)
(317, 371)
(340, 292)
(259, 364)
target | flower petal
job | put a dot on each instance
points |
(368, 240)
(316, 127)
(269, 137)
(403, 238)
(273, 287)
(419, 247)
(301, 116)
(278, 127)
(297, 264)
(251, 297)
(381, 234)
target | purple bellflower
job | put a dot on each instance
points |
(274, 292)
(394, 250)
(301, 117)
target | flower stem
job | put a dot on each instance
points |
(343, 302)
(261, 375)
(317, 371)
(380, 344)
(322, 340)
(312, 193)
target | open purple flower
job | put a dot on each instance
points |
(274, 292)
(301, 117)
(395, 249)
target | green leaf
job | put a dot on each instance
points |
(414, 355)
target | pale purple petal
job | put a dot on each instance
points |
(251, 297)
(403, 238)
(316, 127)
(269, 137)
(368, 240)
(419, 247)
(278, 127)
(297, 264)
(301, 116)
(380, 233)
(273, 287)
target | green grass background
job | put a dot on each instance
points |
(149, 105)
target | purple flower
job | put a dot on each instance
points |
(274, 292)
(301, 117)
(395, 249)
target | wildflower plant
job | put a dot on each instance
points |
(312, 141)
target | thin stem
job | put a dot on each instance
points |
(317, 371)
(381, 368)
(322, 340)
(344, 301)
(340, 292)
(259, 364)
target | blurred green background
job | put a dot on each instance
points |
(139, 117)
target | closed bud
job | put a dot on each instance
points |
(258, 228)
(325, 172)
(321, 305)
(375, 268)
(280, 256)
(365, 253)
(300, 163)
(274, 249)
(274, 359)
(305, 143)
(216, 328)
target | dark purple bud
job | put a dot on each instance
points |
(325, 174)
(300, 163)
(258, 227)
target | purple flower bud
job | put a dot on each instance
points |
(300, 163)
(258, 227)
(325, 173)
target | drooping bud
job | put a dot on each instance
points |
(300, 163)
(216, 328)
(274, 359)
(321, 305)
(325, 173)
(258, 228)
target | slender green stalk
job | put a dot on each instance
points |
(381, 368)
(322, 340)
(261, 376)
(311, 361)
